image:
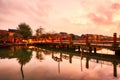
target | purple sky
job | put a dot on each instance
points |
(73, 16)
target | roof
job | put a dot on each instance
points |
(3, 30)
(12, 30)
(63, 33)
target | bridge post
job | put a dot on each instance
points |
(115, 40)
(60, 38)
(94, 50)
(90, 49)
(73, 48)
(87, 39)
(79, 48)
(82, 50)
(117, 52)
(52, 39)
(60, 56)
(87, 62)
(70, 58)
(114, 37)
(69, 38)
(68, 46)
(115, 69)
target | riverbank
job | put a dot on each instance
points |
(13, 44)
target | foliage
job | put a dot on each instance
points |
(73, 36)
(17, 35)
(24, 30)
(23, 55)
(39, 32)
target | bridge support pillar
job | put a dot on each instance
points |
(82, 50)
(62, 46)
(67, 46)
(115, 69)
(114, 37)
(74, 47)
(115, 44)
(70, 58)
(94, 50)
(117, 52)
(90, 49)
(87, 62)
(54, 46)
(79, 48)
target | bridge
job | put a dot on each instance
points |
(79, 45)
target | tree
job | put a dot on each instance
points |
(24, 30)
(72, 36)
(39, 32)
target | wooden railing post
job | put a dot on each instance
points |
(114, 37)
(115, 40)
(86, 38)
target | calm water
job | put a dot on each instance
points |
(32, 63)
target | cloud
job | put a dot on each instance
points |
(77, 16)
(116, 6)
(100, 11)
(30, 11)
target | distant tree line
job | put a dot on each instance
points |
(26, 31)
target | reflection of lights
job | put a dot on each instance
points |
(30, 40)
(30, 47)
(25, 41)
(28, 50)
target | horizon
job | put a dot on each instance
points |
(77, 17)
(65, 32)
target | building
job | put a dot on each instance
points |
(3, 36)
(14, 36)
(91, 38)
(10, 36)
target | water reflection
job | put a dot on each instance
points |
(115, 60)
(22, 54)
(74, 64)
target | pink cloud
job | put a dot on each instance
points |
(102, 15)
(59, 15)
(98, 19)
(116, 6)
(32, 12)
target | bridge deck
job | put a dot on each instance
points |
(108, 45)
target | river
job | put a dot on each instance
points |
(35, 63)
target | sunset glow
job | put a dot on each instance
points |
(72, 16)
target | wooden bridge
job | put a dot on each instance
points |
(80, 45)
(89, 47)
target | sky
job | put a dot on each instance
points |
(71, 16)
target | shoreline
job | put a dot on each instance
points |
(14, 44)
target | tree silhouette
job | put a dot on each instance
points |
(24, 30)
(39, 55)
(23, 56)
(39, 32)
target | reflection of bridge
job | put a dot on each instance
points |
(115, 60)
(84, 46)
